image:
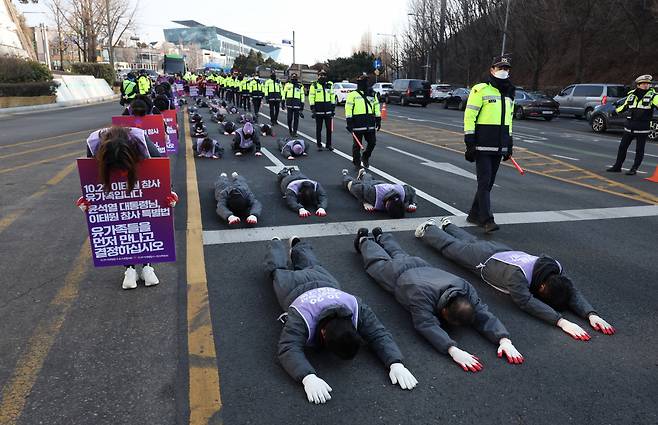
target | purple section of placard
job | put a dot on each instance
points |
(171, 125)
(129, 228)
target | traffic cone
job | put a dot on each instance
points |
(653, 178)
(384, 112)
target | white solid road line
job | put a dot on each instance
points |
(566, 157)
(219, 237)
(278, 165)
(389, 177)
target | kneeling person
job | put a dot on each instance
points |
(246, 141)
(378, 195)
(235, 201)
(301, 193)
(292, 148)
(320, 315)
(434, 298)
(536, 284)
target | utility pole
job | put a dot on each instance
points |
(293, 46)
(502, 49)
(442, 41)
(110, 34)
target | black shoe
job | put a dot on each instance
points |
(491, 226)
(473, 220)
(614, 169)
(361, 233)
(320, 148)
(376, 233)
(366, 164)
(631, 172)
(294, 241)
(330, 148)
(357, 165)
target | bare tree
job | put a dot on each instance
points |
(119, 17)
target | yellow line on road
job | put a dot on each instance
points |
(43, 148)
(20, 384)
(31, 142)
(43, 161)
(56, 179)
(204, 394)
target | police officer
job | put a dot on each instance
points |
(488, 136)
(363, 119)
(322, 99)
(639, 104)
(272, 92)
(144, 82)
(246, 98)
(256, 94)
(128, 89)
(293, 96)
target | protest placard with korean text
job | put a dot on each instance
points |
(171, 123)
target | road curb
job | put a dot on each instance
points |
(21, 110)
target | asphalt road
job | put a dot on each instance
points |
(120, 357)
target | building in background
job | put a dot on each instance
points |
(217, 45)
(13, 40)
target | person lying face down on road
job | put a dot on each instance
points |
(199, 130)
(266, 130)
(378, 195)
(209, 148)
(302, 194)
(292, 148)
(246, 140)
(235, 201)
(195, 118)
(434, 298)
(228, 127)
(322, 316)
(536, 284)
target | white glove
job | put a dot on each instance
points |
(411, 208)
(317, 391)
(400, 375)
(321, 212)
(368, 207)
(573, 329)
(252, 219)
(258, 153)
(291, 157)
(303, 212)
(601, 325)
(513, 355)
(233, 219)
(465, 360)
(238, 153)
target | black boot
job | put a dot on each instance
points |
(361, 233)
(631, 172)
(614, 169)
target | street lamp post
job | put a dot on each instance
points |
(502, 48)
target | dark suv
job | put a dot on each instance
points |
(406, 91)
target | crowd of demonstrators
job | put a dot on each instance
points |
(317, 312)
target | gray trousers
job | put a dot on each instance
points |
(458, 245)
(304, 268)
(384, 260)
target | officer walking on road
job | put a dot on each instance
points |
(293, 95)
(639, 106)
(488, 136)
(322, 99)
(144, 82)
(256, 93)
(363, 120)
(272, 92)
(128, 89)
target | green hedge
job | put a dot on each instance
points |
(41, 88)
(18, 70)
(98, 70)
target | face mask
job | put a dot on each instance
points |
(502, 74)
(323, 78)
(362, 85)
(294, 80)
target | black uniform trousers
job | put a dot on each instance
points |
(626, 140)
(486, 166)
(320, 121)
(371, 140)
(275, 105)
(256, 103)
(293, 121)
(246, 102)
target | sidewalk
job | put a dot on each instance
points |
(57, 106)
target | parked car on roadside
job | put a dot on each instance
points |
(440, 92)
(534, 105)
(603, 119)
(581, 99)
(457, 99)
(341, 90)
(382, 89)
(407, 91)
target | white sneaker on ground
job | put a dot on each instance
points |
(222, 175)
(420, 230)
(362, 171)
(148, 274)
(130, 278)
(234, 174)
(344, 171)
(444, 222)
